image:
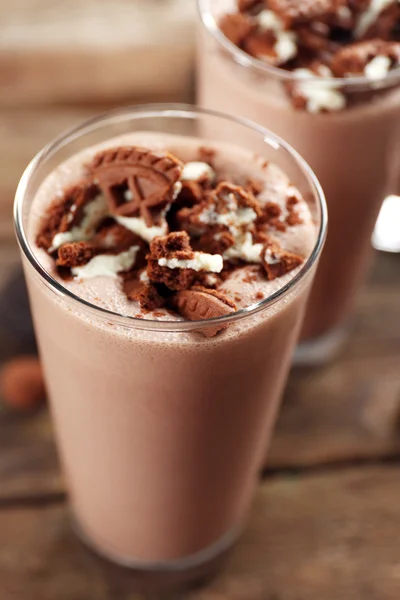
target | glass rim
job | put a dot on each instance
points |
(164, 110)
(359, 83)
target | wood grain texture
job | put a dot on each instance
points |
(323, 537)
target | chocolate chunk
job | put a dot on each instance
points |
(314, 37)
(204, 218)
(76, 254)
(226, 191)
(293, 217)
(237, 27)
(200, 303)
(136, 181)
(116, 238)
(147, 294)
(174, 245)
(215, 241)
(191, 193)
(272, 216)
(254, 186)
(277, 261)
(110, 239)
(352, 59)
(261, 45)
(66, 213)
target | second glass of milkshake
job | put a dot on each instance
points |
(168, 253)
(326, 77)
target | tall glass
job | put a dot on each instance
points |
(161, 430)
(355, 154)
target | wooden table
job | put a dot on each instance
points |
(325, 524)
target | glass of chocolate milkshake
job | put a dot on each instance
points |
(168, 264)
(326, 77)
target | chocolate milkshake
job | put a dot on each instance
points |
(168, 276)
(326, 77)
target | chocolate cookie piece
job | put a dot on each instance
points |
(176, 245)
(353, 59)
(277, 261)
(201, 303)
(136, 181)
(66, 213)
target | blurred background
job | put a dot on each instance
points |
(337, 444)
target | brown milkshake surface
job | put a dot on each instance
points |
(315, 41)
(167, 228)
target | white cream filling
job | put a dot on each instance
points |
(211, 280)
(137, 225)
(177, 190)
(286, 41)
(192, 171)
(269, 258)
(144, 278)
(200, 262)
(107, 265)
(93, 213)
(378, 67)
(245, 249)
(344, 13)
(234, 219)
(370, 15)
(319, 96)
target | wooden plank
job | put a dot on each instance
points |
(323, 536)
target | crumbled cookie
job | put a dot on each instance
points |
(384, 26)
(136, 181)
(254, 186)
(237, 27)
(116, 237)
(147, 294)
(307, 37)
(175, 245)
(262, 45)
(191, 193)
(220, 207)
(297, 12)
(315, 37)
(228, 225)
(354, 59)
(110, 239)
(76, 254)
(215, 241)
(272, 216)
(277, 261)
(66, 213)
(201, 303)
